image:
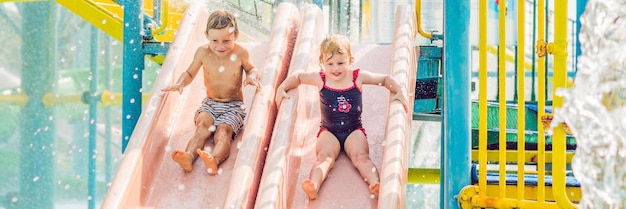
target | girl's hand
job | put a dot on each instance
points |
(401, 96)
(280, 95)
(174, 87)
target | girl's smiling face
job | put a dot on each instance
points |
(336, 66)
(221, 41)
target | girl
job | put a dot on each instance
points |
(341, 106)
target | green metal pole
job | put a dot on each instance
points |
(37, 180)
(580, 8)
(132, 74)
(107, 112)
(93, 119)
(456, 115)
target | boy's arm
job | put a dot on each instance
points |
(252, 74)
(187, 77)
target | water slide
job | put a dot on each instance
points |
(148, 178)
(292, 148)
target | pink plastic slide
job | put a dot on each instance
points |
(260, 174)
(292, 149)
(148, 178)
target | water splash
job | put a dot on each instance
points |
(594, 107)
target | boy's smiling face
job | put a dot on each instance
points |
(221, 41)
(337, 66)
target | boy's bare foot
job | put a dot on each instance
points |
(374, 188)
(209, 161)
(310, 189)
(183, 159)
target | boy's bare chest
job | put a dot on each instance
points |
(222, 68)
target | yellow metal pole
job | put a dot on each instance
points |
(164, 18)
(521, 103)
(20, 99)
(424, 176)
(50, 99)
(541, 103)
(502, 96)
(559, 51)
(418, 12)
(482, 96)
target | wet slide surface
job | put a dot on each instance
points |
(148, 178)
(292, 149)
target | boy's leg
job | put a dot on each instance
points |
(221, 150)
(357, 149)
(185, 159)
(327, 149)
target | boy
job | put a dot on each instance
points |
(222, 112)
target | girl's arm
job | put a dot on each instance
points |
(294, 80)
(388, 82)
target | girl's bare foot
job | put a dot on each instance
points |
(310, 189)
(183, 159)
(209, 161)
(374, 188)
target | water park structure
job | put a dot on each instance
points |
(483, 77)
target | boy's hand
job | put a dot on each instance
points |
(174, 87)
(253, 80)
(401, 96)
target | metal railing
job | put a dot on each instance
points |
(500, 189)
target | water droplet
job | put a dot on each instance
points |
(89, 197)
(36, 179)
(243, 106)
(239, 145)
(14, 199)
(168, 148)
(67, 186)
(221, 69)
(132, 100)
(374, 170)
(212, 128)
(231, 29)
(220, 171)
(127, 116)
(104, 21)
(181, 187)
(131, 41)
(209, 170)
(233, 57)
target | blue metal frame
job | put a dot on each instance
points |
(456, 124)
(133, 66)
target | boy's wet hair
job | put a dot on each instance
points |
(335, 44)
(220, 19)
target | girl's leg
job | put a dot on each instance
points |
(185, 159)
(327, 150)
(223, 137)
(357, 149)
